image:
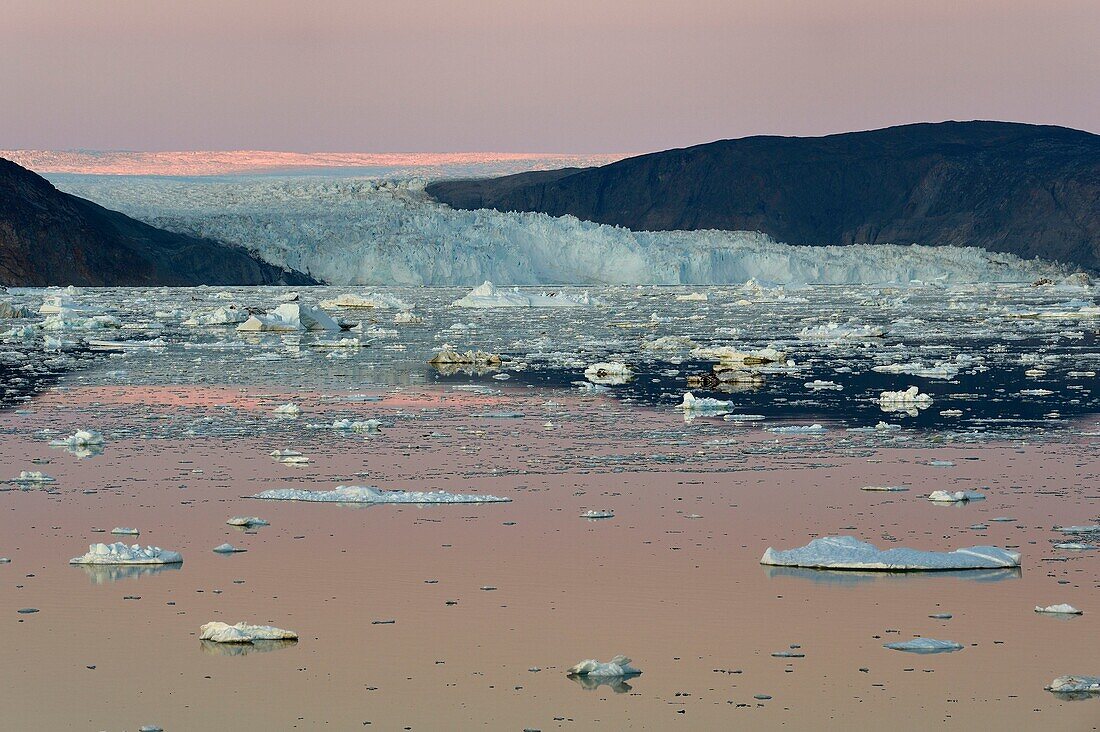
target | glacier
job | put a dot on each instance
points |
(363, 231)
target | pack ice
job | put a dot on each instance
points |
(486, 295)
(617, 666)
(848, 552)
(119, 553)
(370, 494)
(243, 633)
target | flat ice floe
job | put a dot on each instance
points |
(370, 494)
(617, 666)
(1062, 609)
(486, 295)
(119, 553)
(247, 521)
(925, 645)
(373, 300)
(704, 404)
(243, 633)
(848, 552)
(1075, 685)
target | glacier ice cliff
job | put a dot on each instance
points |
(356, 231)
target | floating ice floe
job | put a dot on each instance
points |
(370, 494)
(290, 317)
(373, 300)
(955, 497)
(841, 331)
(925, 645)
(9, 311)
(486, 295)
(448, 355)
(798, 429)
(119, 553)
(885, 488)
(247, 521)
(291, 457)
(33, 476)
(357, 425)
(909, 400)
(290, 408)
(730, 355)
(1078, 529)
(1062, 609)
(617, 666)
(125, 530)
(1074, 546)
(80, 438)
(243, 633)
(819, 385)
(669, 343)
(227, 315)
(227, 548)
(705, 404)
(608, 373)
(1075, 685)
(692, 297)
(943, 371)
(848, 552)
(407, 317)
(597, 514)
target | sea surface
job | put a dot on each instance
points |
(467, 616)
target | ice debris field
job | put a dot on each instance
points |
(789, 503)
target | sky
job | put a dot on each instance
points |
(576, 76)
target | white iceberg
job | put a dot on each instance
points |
(291, 457)
(227, 548)
(731, 355)
(227, 315)
(247, 521)
(1075, 685)
(1062, 609)
(617, 666)
(125, 530)
(608, 373)
(80, 438)
(486, 295)
(692, 297)
(33, 476)
(119, 553)
(924, 645)
(909, 400)
(290, 408)
(848, 552)
(357, 425)
(290, 317)
(243, 633)
(955, 497)
(594, 514)
(705, 404)
(370, 494)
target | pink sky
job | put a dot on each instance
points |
(518, 75)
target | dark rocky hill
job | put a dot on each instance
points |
(52, 238)
(1026, 189)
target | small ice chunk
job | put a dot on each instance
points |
(1075, 685)
(288, 408)
(955, 497)
(597, 514)
(617, 666)
(925, 645)
(124, 530)
(848, 552)
(608, 373)
(247, 521)
(908, 400)
(80, 438)
(885, 488)
(228, 548)
(33, 476)
(292, 457)
(243, 633)
(705, 404)
(1062, 609)
(356, 425)
(1078, 529)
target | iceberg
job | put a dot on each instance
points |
(1062, 609)
(374, 300)
(370, 494)
(594, 514)
(290, 317)
(909, 401)
(617, 666)
(1075, 685)
(247, 521)
(956, 497)
(229, 315)
(730, 355)
(33, 476)
(243, 633)
(227, 548)
(125, 530)
(448, 356)
(80, 438)
(486, 295)
(609, 373)
(357, 425)
(705, 404)
(848, 552)
(290, 408)
(925, 645)
(119, 553)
